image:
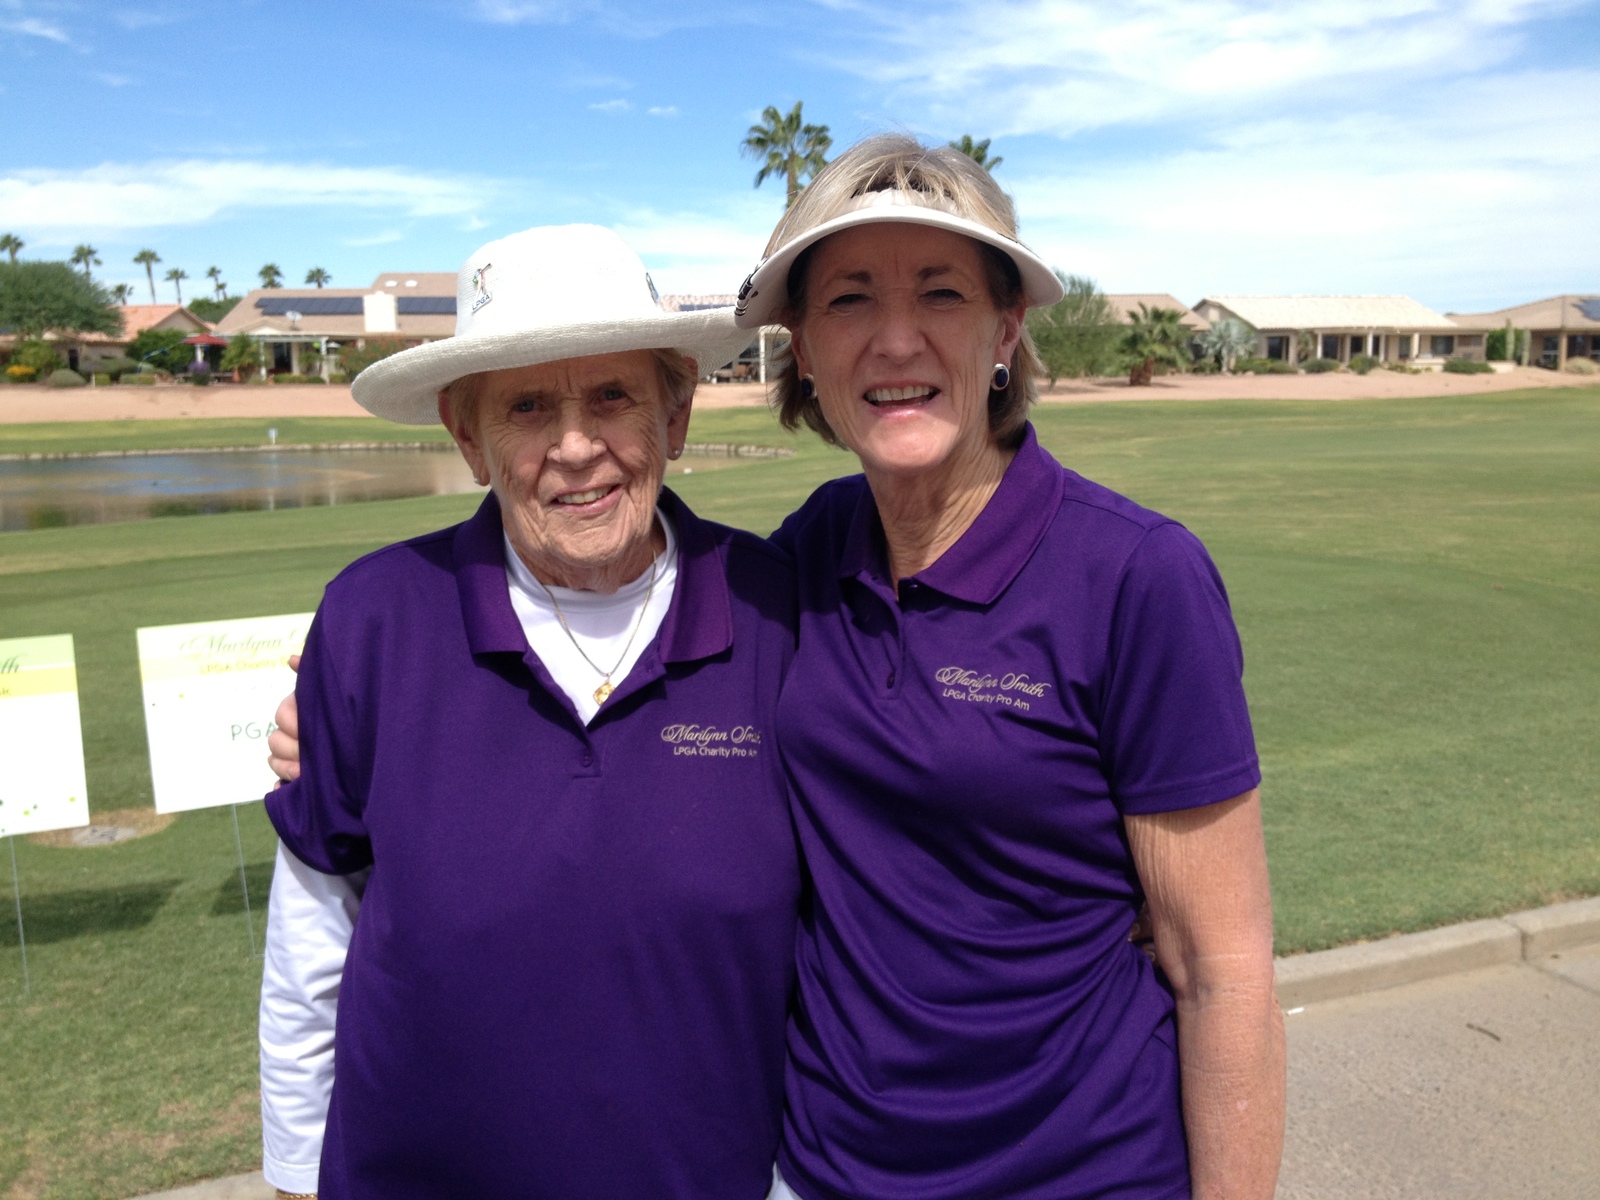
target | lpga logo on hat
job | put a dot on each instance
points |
(480, 284)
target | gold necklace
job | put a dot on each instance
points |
(606, 687)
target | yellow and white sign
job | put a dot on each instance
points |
(210, 692)
(41, 740)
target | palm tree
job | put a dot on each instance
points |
(788, 147)
(148, 259)
(1157, 335)
(85, 257)
(271, 276)
(318, 276)
(978, 152)
(215, 275)
(121, 292)
(1227, 340)
(176, 276)
(11, 243)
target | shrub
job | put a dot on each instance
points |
(1467, 366)
(1264, 366)
(1362, 363)
(1078, 335)
(117, 366)
(17, 373)
(1321, 366)
(40, 355)
(241, 354)
(338, 377)
(1582, 366)
(1495, 347)
(161, 350)
(139, 378)
(290, 377)
(356, 359)
(101, 379)
(1402, 368)
(201, 378)
(66, 378)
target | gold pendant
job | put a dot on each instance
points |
(601, 692)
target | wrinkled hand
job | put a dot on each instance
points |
(1143, 933)
(283, 743)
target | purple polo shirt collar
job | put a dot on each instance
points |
(698, 624)
(993, 550)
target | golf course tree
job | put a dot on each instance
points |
(1228, 340)
(318, 277)
(786, 146)
(271, 276)
(120, 292)
(978, 152)
(11, 244)
(37, 298)
(175, 277)
(148, 259)
(215, 275)
(85, 256)
(1156, 336)
(1080, 334)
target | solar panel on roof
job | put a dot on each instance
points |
(700, 307)
(1589, 306)
(418, 306)
(310, 306)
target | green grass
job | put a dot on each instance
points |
(1417, 584)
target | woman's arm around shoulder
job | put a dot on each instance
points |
(1204, 871)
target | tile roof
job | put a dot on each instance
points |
(1574, 312)
(1399, 313)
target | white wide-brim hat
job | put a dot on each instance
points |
(766, 290)
(558, 291)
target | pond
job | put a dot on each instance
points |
(41, 494)
(94, 491)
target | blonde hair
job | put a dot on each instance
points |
(938, 177)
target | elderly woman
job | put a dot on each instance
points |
(544, 734)
(1015, 714)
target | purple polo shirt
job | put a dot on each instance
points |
(973, 1021)
(571, 970)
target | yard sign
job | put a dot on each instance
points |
(210, 692)
(41, 742)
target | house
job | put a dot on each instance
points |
(1559, 328)
(415, 307)
(84, 351)
(753, 360)
(1389, 328)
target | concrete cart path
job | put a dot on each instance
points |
(1482, 1085)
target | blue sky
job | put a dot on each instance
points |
(1450, 151)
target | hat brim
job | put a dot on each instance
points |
(405, 387)
(766, 292)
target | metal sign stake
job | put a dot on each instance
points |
(244, 882)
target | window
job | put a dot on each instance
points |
(1442, 345)
(1278, 347)
(1469, 339)
(1330, 345)
(1358, 344)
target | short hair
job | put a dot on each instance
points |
(677, 373)
(948, 180)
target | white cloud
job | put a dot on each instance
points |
(33, 27)
(377, 239)
(124, 196)
(618, 105)
(700, 252)
(1462, 202)
(111, 80)
(664, 110)
(1062, 66)
(523, 12)
(135, 19)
